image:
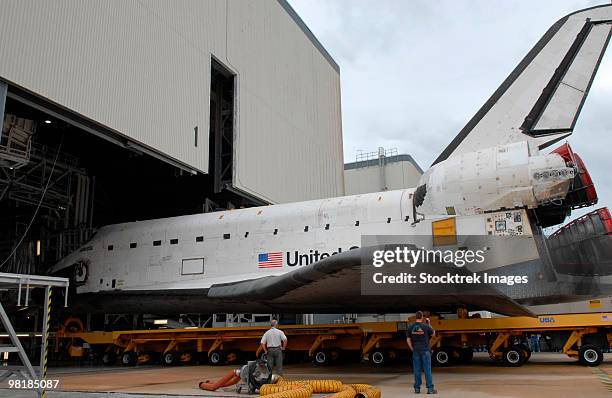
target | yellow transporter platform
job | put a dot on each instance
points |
(581, 336)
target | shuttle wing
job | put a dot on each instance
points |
(542, 97)
(334, 285)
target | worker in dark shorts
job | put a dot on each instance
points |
(273, 344)
(417, 337)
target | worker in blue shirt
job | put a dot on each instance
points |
(417, 337)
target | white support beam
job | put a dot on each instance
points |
(32, 280)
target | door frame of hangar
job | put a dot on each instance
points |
(57, 111)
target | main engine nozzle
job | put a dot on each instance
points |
(582, 191)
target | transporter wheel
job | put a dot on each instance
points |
(73, 325)
(216, 358)
(129, 358)
(187, 357)
(466, 354)
(321, 358)
(526, 350)
(513, 356)
(442, 357)
(109, 358)
(232, 357)
(335, 355)
(495, 358)
(377, 358)
(170, 358)
(145, 358)
(391, 356)
(590, 355)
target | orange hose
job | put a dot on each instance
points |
(228, 380)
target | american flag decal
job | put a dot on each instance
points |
(270, 260)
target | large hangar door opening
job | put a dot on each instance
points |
(222, 89)
(60, 182)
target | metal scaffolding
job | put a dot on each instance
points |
(50, 179)
(16, 141)
(23, 284)
(26, 184)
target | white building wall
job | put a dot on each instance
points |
(142, 69)
(291, 120)
(363, 177)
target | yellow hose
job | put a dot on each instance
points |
(297, 392)
(268, 389)
(369, 393)
(305, 388)
(366, 391)
(360, 387)
(324, 386)
(345, 392)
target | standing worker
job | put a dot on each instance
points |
(535, 343)
(273, 343)
(417, 337)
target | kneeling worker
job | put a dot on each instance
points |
(417, 337)
(273, 344)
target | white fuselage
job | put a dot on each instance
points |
(229, 242)
(198, 251)
(201, 250)
(501, 177)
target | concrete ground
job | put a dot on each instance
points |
(546, 375)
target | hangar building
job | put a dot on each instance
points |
(126, 110)
(384, 170)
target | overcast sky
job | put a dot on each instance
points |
(414, 72)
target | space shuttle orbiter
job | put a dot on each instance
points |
(497, 178)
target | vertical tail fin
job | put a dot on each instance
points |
(542, 97)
